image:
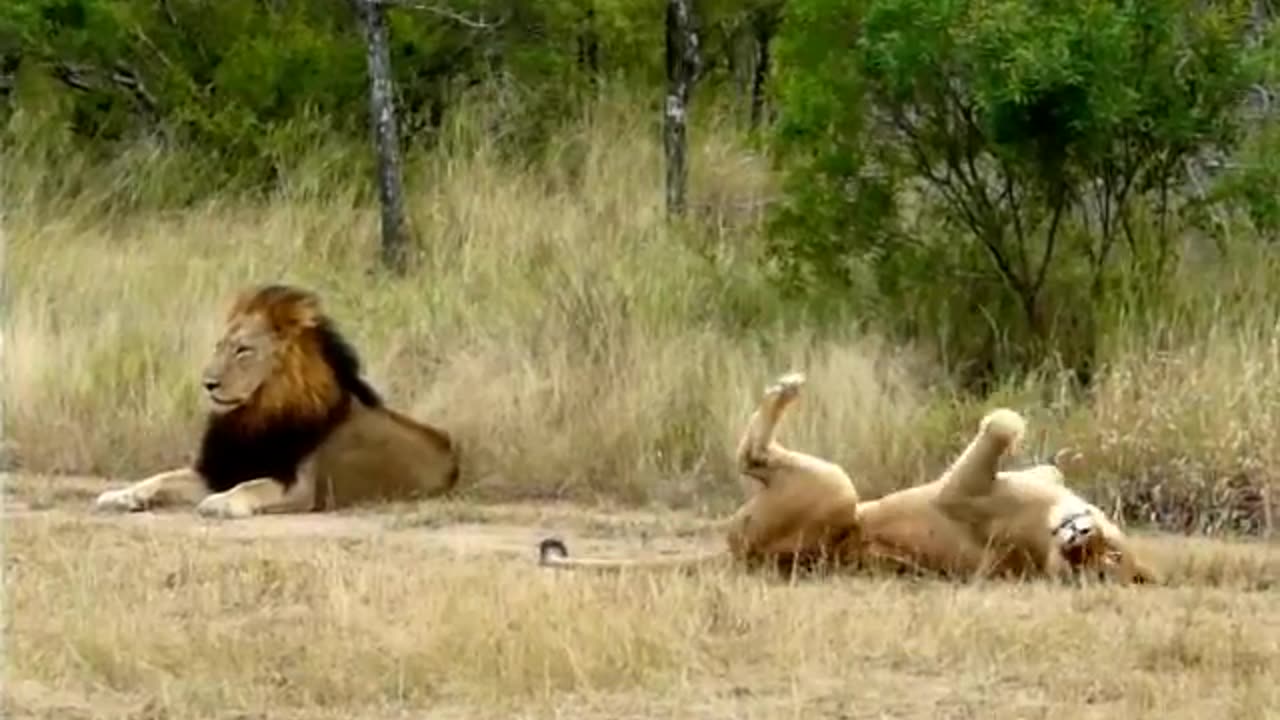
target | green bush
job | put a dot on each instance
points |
(252, 85)
(1001, 170)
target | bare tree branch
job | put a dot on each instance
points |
(444, 12)
(87, 78)
(168, 13)
(125, 77)
(961, 196)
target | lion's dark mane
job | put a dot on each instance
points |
(232, 451)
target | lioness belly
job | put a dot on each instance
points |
(917, 531)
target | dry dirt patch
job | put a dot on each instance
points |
(438, 610)
(452, 525)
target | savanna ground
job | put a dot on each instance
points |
(441, 609)
(596, 364)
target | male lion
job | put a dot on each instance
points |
(974, 520)
(292, 427)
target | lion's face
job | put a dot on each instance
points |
(244, 358)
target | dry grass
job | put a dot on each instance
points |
(571, 339)
(130, 618)
(576, 343)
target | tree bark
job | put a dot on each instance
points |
(682, 71)
(9, 73)
(589, 46)
(763, 24)
(382, 120)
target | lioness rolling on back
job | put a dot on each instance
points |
(292, 427)
(974, 520)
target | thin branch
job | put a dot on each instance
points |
(73, 77)
(1014, 206)
(126, 77)
(446, 13)
(89, 78)
(966, 113)
(168, 13)
(164, 59)
(947, 184)
(1050, 243)
(955, 186)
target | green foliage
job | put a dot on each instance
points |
(1002, 178)
(1254, 184)
(1034, 133)
(255, 82)
(234, 76)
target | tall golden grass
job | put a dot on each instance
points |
(576, 342)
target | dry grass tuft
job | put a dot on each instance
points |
(1186, 437)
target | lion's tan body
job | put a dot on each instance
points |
(974, 520)
(293, 427)
(378, 454)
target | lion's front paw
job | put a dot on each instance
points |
(122, 500)
(787, 386)
(225, 505)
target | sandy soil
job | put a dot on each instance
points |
(450, 526)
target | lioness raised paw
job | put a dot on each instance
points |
(225, 505)
(122, 500)
(786, 387)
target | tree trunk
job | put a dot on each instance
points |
(764, 21)
(8, 74)
(382, 119)
(682, 71)
(589, 46)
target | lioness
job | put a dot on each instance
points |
(974, 520)
(292, 427)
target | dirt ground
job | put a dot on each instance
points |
(439, 610)
(450, 526)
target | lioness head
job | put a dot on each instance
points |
(278, 354)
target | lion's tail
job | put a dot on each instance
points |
(554, 553)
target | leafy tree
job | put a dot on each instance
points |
(1036, 132)
(256, 80)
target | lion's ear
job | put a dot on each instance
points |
(304, 313)
(287, 308)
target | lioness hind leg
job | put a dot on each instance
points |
(166, 488)
(755, 449)
(261, 496)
